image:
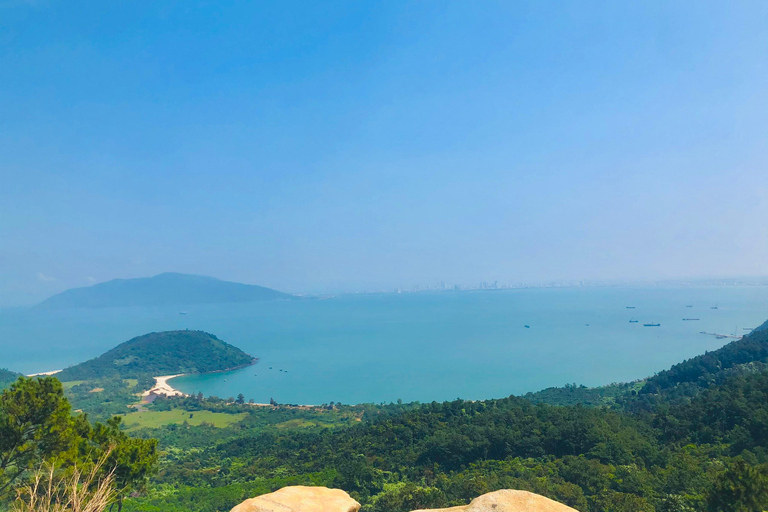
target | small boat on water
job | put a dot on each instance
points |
(633, 321)
(690, 319)
(714, 307)
(689, 306)
(630, 307)
(748, 328)
(182, 312)
(651, 325)
(527, 326)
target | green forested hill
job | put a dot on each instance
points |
(161, 353)
(682, 381)
(7, 377)
(706, 369)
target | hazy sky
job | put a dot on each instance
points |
(348, 146)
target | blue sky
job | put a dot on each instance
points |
(360, 145)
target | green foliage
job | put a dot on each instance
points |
(406, 496)
(165, 498)
(131, 461)
(7, 377)
(161, 353)
(573, 394)
(37, 427)
(103, 398)
(707, 369)
(155, 419)
(740, 488)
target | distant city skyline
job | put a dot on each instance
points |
(512, 285)
(352, 146)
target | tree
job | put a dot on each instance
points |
(240, 399)
(742, 488)
(35, 426)
(132, 461)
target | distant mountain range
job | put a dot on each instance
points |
(163, 289)
(161, 353)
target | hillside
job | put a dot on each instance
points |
(704, 370)
(682, 381)
(161, 353)
(7, 377)
(163, 289)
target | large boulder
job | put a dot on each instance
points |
(508, 500)
(300, 498)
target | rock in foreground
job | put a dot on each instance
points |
(300, 499)
(508, 500)
(321, 499)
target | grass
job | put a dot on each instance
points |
(304, 423)
(157, 419)
(71, 384)
(77, 492)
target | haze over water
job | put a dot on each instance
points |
(424, 346)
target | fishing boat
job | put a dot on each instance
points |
(690, 319)
(651, 325)
(633, 321)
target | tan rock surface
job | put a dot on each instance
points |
(508, 500)
(300, 498)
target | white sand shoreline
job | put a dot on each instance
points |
(162, 387)
(41, 374)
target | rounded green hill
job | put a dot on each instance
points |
(162, 353)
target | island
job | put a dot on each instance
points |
(169, 288)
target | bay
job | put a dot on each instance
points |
(415, 347)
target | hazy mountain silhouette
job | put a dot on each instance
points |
(163, 289)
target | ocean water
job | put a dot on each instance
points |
(424, 346)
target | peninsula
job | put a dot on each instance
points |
(161, 353)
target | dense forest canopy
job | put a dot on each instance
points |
(161, 353)
(701, 371)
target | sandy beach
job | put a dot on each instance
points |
(41, 374)
(162, 387)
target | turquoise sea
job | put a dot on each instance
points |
(421, 346)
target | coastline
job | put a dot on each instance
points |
(162, 387)
(42, 374)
